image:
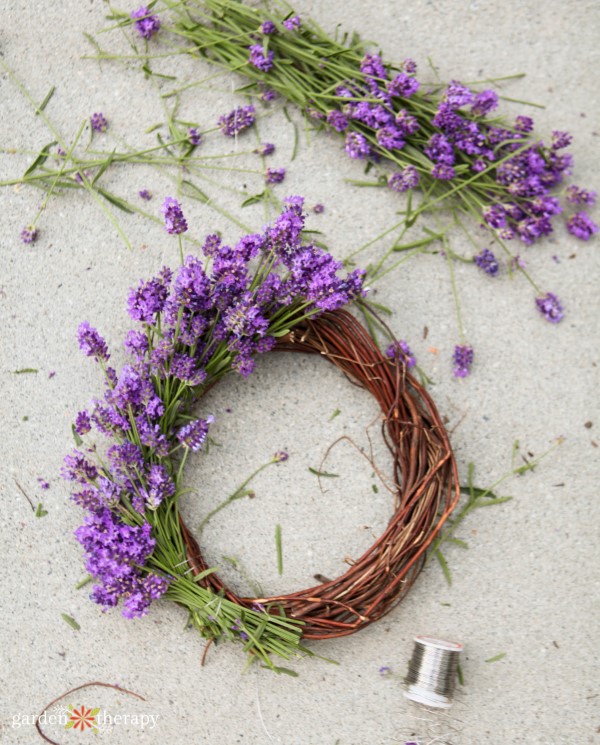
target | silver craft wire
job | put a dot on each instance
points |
(431, 672)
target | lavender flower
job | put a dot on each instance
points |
(443, 172)
(82, 423)
(582, 226)
(550, 307)
(318, 209)
(151, 588)
(576, 195)
(561, 140)
(264, 149)
(281, 456)
(194, 136)
(145, 195)
(292, 23)
(495, 216)
(484, 102)
(390, 137)
(524, 124)
(237, 120)
(98, 122)
(160, 486)
(403, 85)
(487, 262)
(457, 95)
(114, 553)
(266, 94)
(406, 123)
(175, 222)
(463, 359)
(267, 28)
(384, 671)
(356, 146)
(404, 180)
(400, 352)
(29, 234)
(149, 298)
(409, 66)
(91, 343)
(43, 483)
(439, 150)
(194, 434)
(274, 175)
(78, 468)
(337, 120)
(146, 24)
(372, 66)
(260, 57)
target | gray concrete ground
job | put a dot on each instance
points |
(528, 584)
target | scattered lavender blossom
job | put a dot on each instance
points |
(145, 195)
(550, 307)
(281, 456)
(98, 122)
(576, 195)
(29, 234)
(43, 483)
(237, 120)
(146, 24)
(194, 136)
(385, 670)
(487, 262)
(463, 359)
(175, 222)
(264, 149)
(582, 226)
(275, 175)
(319, 208)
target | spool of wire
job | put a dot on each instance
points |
(432, 672)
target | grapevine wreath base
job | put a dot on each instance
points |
(425, 476)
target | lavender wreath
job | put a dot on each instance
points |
(209, 318)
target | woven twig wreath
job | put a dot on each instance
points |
(425, 475)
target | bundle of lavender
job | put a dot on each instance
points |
(443, 139)
(192, 327)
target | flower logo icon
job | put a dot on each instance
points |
(82, 719)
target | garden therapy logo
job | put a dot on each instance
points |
(82, 719)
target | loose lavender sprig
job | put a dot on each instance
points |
(550, 307)
(463, 359)
(99, 122)
(146, 24)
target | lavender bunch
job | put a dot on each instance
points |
(193, 326)
(444, 139)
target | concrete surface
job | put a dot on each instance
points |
(528, 585)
